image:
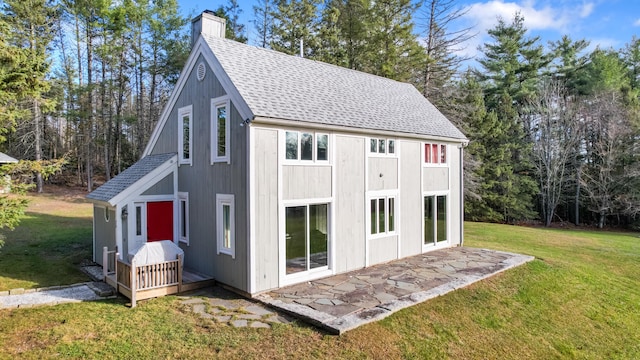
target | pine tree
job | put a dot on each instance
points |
(263, 21)
(393, 48)
(32, 29)
(295, 26)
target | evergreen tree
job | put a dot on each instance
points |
(512, 63)
(440, 44)
(32, 30)
(569, 65)
(295, 25)
(263, 21)
(331, 45)
(231, 12)
(393, 49)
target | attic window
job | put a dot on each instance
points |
(201, 71)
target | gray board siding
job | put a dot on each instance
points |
(162, 187)
(454, 194)
(203, 181)
(349, 203)
(265, 239)
(194, 92)
(383, 173)
(104, 232)
(383, 249)
(436, 178)
(410, 198)
(306, 182)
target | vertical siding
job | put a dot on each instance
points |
(162, 187)
(437, 178)
(198, 94)
(383, 173)
(265, 171)
(410, 198)
(454, 195)
(349, 203)
(104, 232)
(306, 182)
(383, 249)
(203, 181)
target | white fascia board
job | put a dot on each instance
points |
(146, 181)
(201, 47)
(280, 123)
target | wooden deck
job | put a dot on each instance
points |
(150, 280)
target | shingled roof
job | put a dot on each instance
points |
(6, 159)
(280, 86)
(130, 176)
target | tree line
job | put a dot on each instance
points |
(553, 129)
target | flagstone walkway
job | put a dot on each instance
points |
(343, 302)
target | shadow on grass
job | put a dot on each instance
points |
(45, 250)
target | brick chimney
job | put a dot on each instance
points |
(209, 24)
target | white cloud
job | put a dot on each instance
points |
(586, 10)
(636, 23)
(541, 15)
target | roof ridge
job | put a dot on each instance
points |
(322, 63)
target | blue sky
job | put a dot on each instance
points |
(605, 23)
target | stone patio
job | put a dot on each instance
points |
(343, 302)
(222, 306)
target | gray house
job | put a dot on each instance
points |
(268, 170)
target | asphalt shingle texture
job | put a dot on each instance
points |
(128, 177)
(280, 86)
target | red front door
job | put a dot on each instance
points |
(159, 221)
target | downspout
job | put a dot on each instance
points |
(461, 147)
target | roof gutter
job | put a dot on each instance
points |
(348, 129)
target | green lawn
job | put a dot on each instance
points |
(47, 247)
(579, 299)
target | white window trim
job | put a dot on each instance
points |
(386, 147)
(438, 164)
(314, 158)
(225, 199)
(182, 112)
(311, 274)
(386, 195)
(436, 244)
(183, 197)
(215, 104)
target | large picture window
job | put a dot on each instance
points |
(185, 145)
(306, 146)
(220, 131)
(307, 237)
(225, 224)
(435, 219)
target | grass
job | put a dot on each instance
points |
(48, 245)
(580, 298)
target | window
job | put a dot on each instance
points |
(225, 224)
(306, 146)
(138, 220)
(220, 131)
(435, 219)
(185, 145)
(382, 146)
(183, 209)
(435, 153)
(382, 211)
(307, 237)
